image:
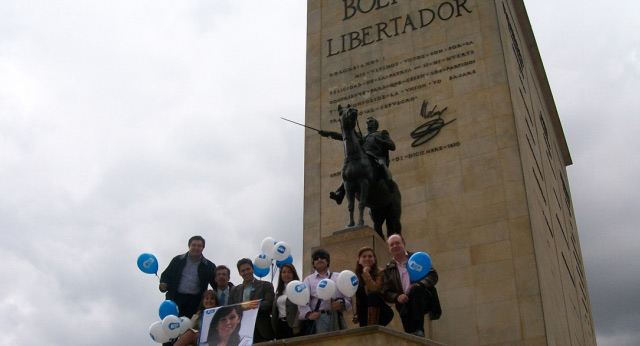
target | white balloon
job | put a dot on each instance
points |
(267, 246)
(347, 283)
(298, 292)
(281, 251)
(185, 324)
(262, 261)
(171, 326)
(157, 334)
(326, 288)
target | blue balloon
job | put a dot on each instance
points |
(418, 266)
(286, 260)
(148, 263)
(260, 272)
(168, 307)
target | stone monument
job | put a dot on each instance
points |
(480, 160)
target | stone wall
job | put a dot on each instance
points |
(484, 186)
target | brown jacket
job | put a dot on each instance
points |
(392, 287)
(371, 284)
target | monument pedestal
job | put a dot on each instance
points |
(343, 247)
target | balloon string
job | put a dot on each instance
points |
(313, 327)
(273, 271)
(318, 305)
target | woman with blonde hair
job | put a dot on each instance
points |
(370, 307)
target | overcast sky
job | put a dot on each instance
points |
(128, 126)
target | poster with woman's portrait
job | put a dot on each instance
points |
(229, 325)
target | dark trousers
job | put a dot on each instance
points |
(372, 300)
(263, 330)
(188, 304)
(283, 330)
(412, 313)
(257, 337)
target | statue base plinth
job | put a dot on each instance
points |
(343, 247)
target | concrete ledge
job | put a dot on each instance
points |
(370, 336)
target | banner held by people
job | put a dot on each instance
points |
(230, 325)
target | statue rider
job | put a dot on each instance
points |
(376, 144)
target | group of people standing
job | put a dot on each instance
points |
(186, 279)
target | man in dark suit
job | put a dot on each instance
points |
(223, 273)
(252, 289)
(187, 277)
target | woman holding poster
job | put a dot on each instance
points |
(190, 337)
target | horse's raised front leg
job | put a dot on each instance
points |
(364, 194)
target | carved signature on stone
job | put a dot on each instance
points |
(427, 131)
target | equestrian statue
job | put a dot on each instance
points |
(365, 173)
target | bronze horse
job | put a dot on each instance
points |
(363, 182)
